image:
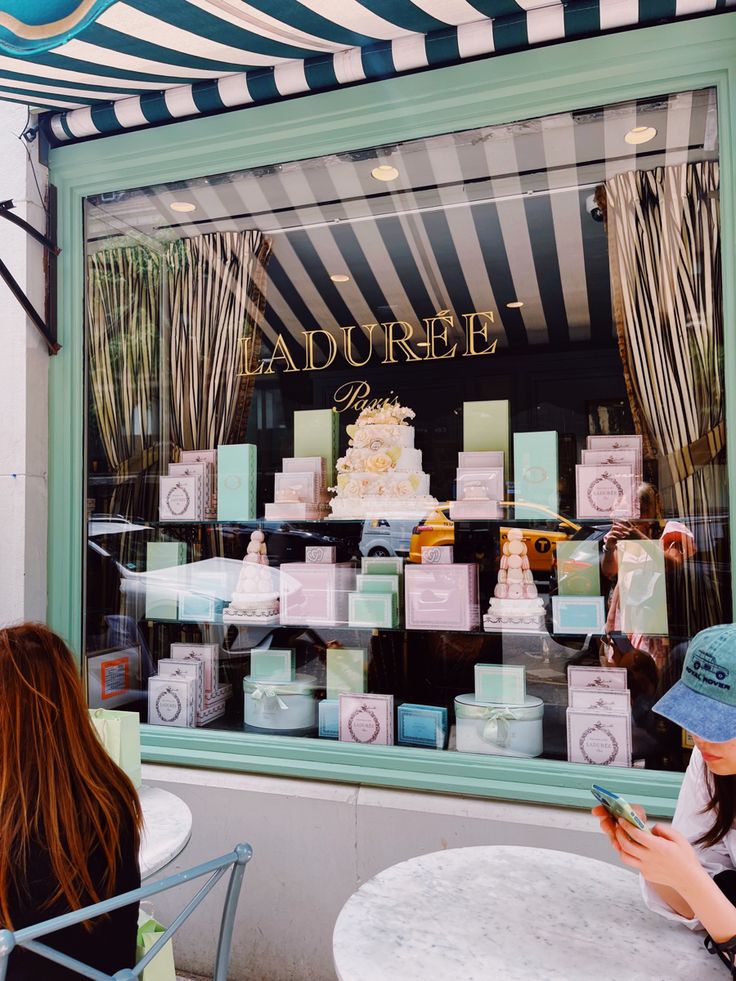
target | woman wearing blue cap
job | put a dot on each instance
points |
(688, 870)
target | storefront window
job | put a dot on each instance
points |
(420, 444)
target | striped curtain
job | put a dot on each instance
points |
(123, 302)
(663, 237)
(216, 288)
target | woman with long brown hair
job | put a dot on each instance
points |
(69, 817)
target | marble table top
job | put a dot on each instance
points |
(167, 827)
(511, 913)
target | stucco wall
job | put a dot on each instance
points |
(314, 844)
(24, 367)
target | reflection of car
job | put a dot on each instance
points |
(541, 543)
(435, 529)
(438, 529)
(117, 573)
(383, 537)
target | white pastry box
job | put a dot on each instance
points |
(289, 708)
(315, 593)
(499, 729)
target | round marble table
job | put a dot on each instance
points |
(521, 914)
(167, 827)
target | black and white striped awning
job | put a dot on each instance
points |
(473, 221)
(102, 66)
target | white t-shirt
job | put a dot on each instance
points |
(691, 821)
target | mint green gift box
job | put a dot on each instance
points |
(486, 427)
(347, 670)
(535, 473)
(162, 601)
(373, 610)
(382, 565)
(578, 568)
(277, 665)
(379, 583)
(317, 433)
(237, 471)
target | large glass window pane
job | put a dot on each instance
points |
(421, 443)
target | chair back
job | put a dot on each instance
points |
(215, 869)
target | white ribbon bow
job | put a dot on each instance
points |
(268, 691)
(496, 729)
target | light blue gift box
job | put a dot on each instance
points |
(237, 471)
(422, 725)
(578, 614)
(535, 472)
(200, 608)
(329, 718)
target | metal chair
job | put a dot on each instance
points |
(237, 859)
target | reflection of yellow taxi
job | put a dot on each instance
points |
(438, 529)
(435, 529)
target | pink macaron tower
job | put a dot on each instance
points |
(515, 604)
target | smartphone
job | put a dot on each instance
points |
(617, 806)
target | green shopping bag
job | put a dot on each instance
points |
(161, 967)
(120, 734)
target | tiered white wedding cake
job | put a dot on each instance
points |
(515, 604)
(381, 474)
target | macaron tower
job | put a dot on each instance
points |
(256, 596)
(515, 604)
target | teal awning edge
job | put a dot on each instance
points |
(384, 59)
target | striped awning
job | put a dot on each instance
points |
(102, 66)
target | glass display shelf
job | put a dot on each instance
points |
(249, 522)
(501, 634)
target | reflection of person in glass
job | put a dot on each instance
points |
(688, 871)
(678, 543)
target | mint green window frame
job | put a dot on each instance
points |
(568, 76)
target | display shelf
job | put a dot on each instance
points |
(502, 634)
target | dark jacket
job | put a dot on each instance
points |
(109, 947)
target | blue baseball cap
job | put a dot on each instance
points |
(703, 701)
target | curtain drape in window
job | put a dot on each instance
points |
(123, 323)
(663, 237)
(216, 287)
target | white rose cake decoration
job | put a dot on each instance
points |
(381, 474)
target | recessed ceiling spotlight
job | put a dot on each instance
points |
(183, 206)
(340, 278)
(384, 172)
(640, 134)
(515, 305)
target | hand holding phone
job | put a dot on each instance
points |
(617, 806)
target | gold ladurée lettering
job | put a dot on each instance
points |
(348, 344)
(309, 364)
(400, 342)
(245, 358)
(280, 353)
(481, 330)
(399, 345)
(437, 331)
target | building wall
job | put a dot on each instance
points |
(315, 844)
(23, 384)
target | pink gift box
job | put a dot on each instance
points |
(302, 487)
(442, 597)
(367, 719)
(316, 593)
(303, 464)
(474, 510)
